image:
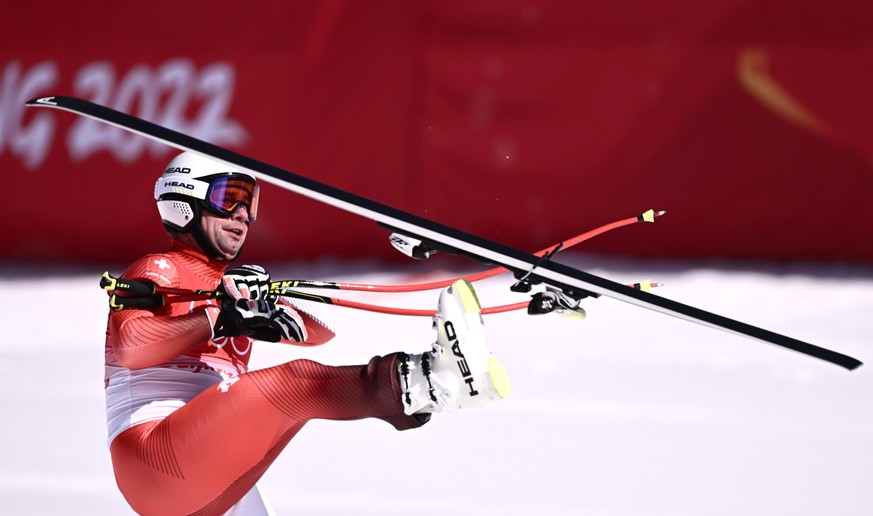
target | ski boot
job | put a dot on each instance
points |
(460, 371)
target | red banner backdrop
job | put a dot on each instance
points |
(521, 121)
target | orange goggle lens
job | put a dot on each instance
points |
(227, 194)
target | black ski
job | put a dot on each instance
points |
(523, 264)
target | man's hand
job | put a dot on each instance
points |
(246, 282)
(260, 319)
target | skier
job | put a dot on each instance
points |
(191, 429)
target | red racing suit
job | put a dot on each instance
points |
(174, 395)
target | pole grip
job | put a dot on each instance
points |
(118, 303)
(136, 287)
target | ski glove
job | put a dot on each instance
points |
(260, 319)
(246, 282)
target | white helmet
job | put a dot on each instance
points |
(192, 183)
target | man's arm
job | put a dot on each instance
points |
(140, 338)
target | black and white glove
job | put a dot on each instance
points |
(246, 282)
(260, 319)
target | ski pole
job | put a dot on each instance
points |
(648, 216)
(153, 296)
(110, 283)
(149, 296)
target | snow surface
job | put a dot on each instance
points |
(627, 413)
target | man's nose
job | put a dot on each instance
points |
(241, 214)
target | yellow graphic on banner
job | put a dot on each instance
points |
(754, 76)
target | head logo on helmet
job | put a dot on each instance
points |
(191, 184)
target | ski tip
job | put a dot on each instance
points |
(41, 101)
(854, 364)
(850, 363)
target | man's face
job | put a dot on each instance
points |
(227, 234)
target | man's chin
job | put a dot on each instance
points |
(230, 254)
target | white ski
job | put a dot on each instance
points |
(440, 237)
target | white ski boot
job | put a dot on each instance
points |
(460, 372)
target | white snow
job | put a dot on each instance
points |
(627, 413)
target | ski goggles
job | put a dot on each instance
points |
(227, 193)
